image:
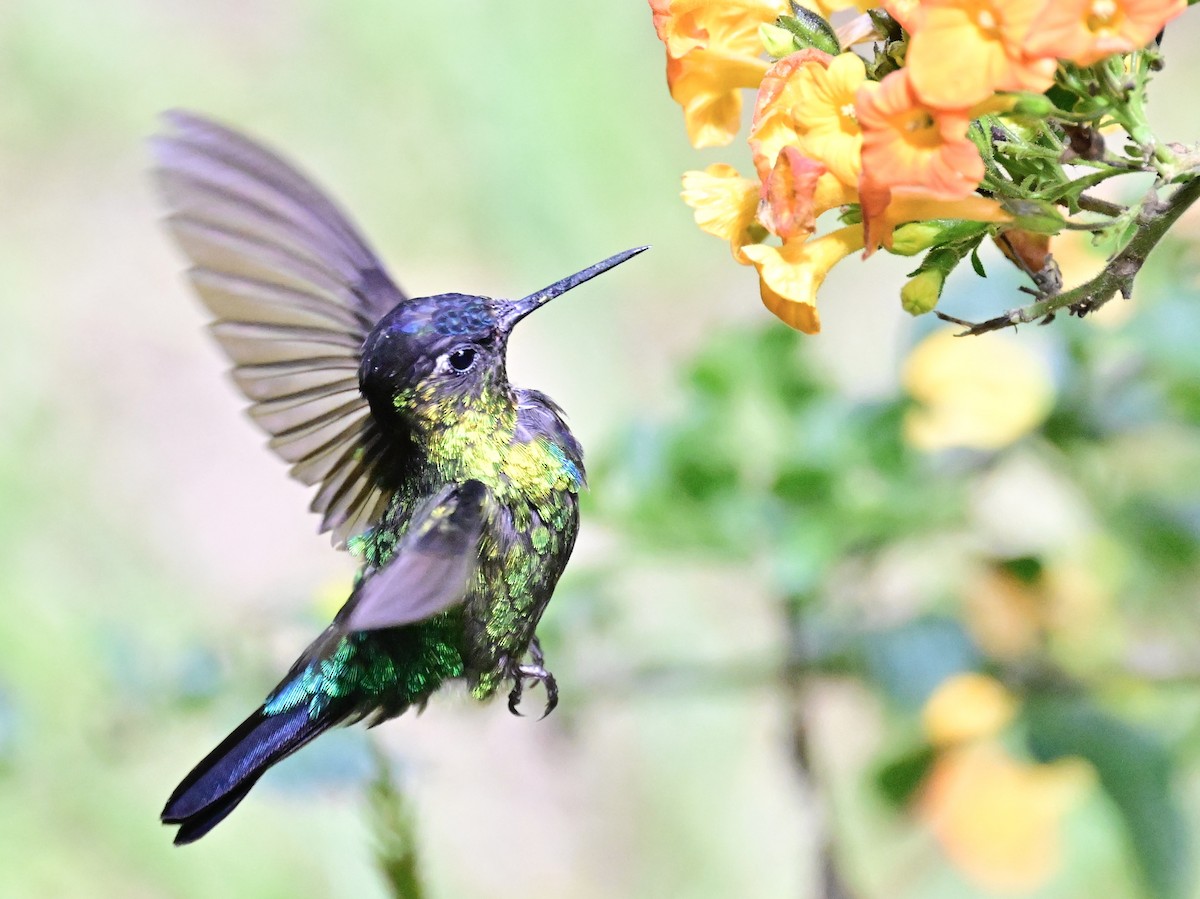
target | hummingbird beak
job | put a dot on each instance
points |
(515, 310)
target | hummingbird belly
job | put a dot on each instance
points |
(522, 557)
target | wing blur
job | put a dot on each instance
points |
(294, 290)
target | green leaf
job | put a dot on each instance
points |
(1164, 536)
(810, 30)
(394, 834)
(1034, 215)
(899, 778)
(1026, 569)
(977, 263)
(1135, 771)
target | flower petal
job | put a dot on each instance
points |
(791, 275)
(725, 204)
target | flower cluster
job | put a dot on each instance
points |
(958, 123)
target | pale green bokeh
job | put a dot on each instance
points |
(151, 549)
(158, 570)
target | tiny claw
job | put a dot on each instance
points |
(551, 686)
(540, 675)
(514, 698)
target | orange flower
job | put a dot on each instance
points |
(1000, 820)
(789, 193)
(712, 53)
(1086, 31)
(906, 144)
(725, 205)
(918, 164)
(884, 210)
(791, 275)
(787, 204)
(797, 191)
(906, 12)
(962, 51)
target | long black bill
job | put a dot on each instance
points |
(518, 309)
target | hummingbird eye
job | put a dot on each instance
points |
(462, 359)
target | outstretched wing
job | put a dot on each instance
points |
(294, 291)
(431, 568)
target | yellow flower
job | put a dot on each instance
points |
(789, 276)
(708, 85)
(962, 51)
(725, 204)
(826, 122)
(967, 707)
(730, 26)
(979, 392)
(1086, 31)
(999, 819)
(773, 125)
(806, 101)
(712, 54)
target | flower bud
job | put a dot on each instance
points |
(922, 291)
(810, 30)
(916, 237)
(778, 42)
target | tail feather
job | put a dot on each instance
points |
(193, 828)
(223, 778)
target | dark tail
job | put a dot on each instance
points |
(215, 786)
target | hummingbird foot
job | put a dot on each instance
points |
(536, 673)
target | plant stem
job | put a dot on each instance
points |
(1095, 204)
(1154, 219)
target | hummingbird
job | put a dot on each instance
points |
(456, 490)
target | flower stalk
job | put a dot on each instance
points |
(1154, 220)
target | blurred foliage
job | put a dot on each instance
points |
(158, 569)
(1060, 560)
(394, 831)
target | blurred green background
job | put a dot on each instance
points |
(773, 577)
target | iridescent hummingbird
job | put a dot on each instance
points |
(458, 491)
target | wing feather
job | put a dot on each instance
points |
(299, 443)
(242, 299)
(275, 379)
(432, 567)
(294, 289)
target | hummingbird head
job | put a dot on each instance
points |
(433, 357)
